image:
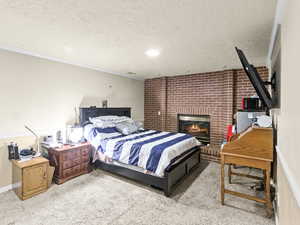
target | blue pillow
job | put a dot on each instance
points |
(106, 130)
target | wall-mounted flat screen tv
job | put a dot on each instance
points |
(256, 80)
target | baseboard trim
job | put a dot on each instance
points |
(293, 183)
(275, 213)
(276, 219)
(6, 188)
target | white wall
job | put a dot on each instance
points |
(43, 94)
(289, 117)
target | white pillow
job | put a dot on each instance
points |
(106, 118)
(139, 125)
(87, 132)
(108, 121)
(126, 128)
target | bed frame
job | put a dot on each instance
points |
(173, 174)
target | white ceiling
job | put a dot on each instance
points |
(192, 35)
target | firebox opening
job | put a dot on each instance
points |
(196, 125)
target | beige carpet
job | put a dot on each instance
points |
(102, 198)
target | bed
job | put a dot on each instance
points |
(168, 160)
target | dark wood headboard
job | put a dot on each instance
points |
(86, 113)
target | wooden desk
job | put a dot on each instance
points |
(252, 149)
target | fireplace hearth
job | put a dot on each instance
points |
(196, 125)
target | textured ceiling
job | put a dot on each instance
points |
(192, 35)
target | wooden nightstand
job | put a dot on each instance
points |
(70, 161)
(30, 177)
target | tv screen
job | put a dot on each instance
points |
(256, 80)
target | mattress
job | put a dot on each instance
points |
(148, 151)
(104, 159)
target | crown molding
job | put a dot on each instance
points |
(25, 52)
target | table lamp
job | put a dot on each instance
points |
(37, 143)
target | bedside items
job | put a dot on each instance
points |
(34, 176)
(70, 161)
(30, 177)
(74, 134)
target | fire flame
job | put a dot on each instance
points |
(196, 128)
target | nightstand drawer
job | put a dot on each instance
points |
(67, 172)
(70, 163)
(72, 171)
(76, 154)
(85, 158)
(65, 156)
(77, 169)
(67, 164)
(76, 161)
(71, 155)
(85, 167)
(85, 151)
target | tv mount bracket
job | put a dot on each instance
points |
(272, 82)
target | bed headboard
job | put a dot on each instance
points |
(86, 113)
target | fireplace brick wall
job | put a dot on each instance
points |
(218, 94)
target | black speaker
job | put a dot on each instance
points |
(251, 104)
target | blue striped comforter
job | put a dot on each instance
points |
(151, 150)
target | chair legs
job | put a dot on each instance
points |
(229, 173)
(267, 193)
(222, 180)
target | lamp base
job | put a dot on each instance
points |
(38, 154)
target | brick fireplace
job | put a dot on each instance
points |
(215, 94)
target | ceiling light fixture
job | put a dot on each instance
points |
(152, 52)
